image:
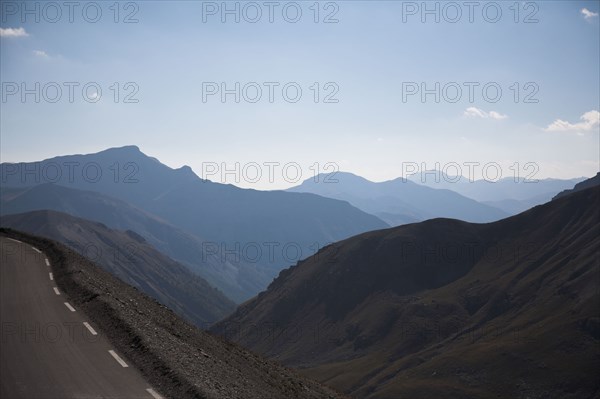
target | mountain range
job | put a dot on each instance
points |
(399, 201)
(251, 235)
(237, 239)
(511, 194)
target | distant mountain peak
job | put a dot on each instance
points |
(133, 153)
(186, 169)
(131, 149)
(334, 177)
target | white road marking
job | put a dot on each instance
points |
(87, 325)
(68, 305)
(51, 276)
(47, 262)
(154, 394)
(12, 239)
(36, 250)
(117, 358)
(56, 291)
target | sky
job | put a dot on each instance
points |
(264, 95)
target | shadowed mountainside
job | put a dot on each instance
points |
(443, 308)
(236, 280)
(129, 257)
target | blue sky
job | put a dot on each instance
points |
(371, 56)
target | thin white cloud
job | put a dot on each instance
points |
(587, 14)
(497, 115)
(40, 53)
(473, 112)
(13, 32)
(589, 121)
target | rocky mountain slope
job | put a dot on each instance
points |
(444, 308)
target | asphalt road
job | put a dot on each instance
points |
(49, 348)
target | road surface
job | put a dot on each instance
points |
(49, 348)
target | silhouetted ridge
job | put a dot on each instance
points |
(591, 182)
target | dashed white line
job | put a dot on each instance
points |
(154, 394)
(68, 305)
(117, 358)
(12, 239)
(51, 276)
(47, 262)
(36, 250)
(87, 325)
(56, 291)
